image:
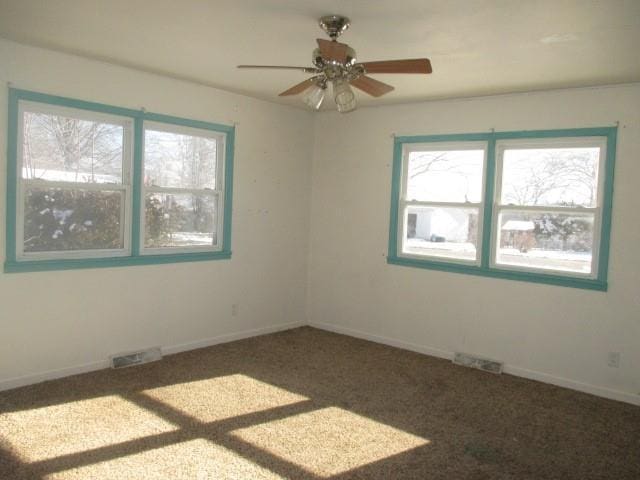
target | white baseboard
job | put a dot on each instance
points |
(52, 375)
(573, 385)
(434, 352)
(168, 350)
(510, 369)
(229, 337)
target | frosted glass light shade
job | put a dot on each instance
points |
(343, 96)
(313, 96)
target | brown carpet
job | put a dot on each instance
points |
(307, 404)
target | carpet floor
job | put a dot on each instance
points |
(308, 404)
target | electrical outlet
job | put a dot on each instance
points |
(234, 310)
(613, 359)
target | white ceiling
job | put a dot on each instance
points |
(477, 47)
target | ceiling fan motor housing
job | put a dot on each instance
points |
(320, 62)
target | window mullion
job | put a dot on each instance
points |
(490, 182)
(137, 188)
(545, 244)
(99, 206)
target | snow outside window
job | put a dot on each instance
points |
(74, 183)
(91, 185)
(532, 206)
(182, 189)
(442, 201)
(548, 205)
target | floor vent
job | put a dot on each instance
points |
(485, 364)
(136, 358)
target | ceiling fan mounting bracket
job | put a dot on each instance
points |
(334, 25)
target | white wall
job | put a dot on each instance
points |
(556, 334)
(52, 321)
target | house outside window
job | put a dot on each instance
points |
(530, 206)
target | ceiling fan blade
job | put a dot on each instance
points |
(371, 86)
(333, 50)
(416, 65)
(282, 67)
(299, 87)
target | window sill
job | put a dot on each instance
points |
(550, 279)
(72, 264)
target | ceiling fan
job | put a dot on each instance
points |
(335, 63)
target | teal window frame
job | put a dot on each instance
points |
(485, 268)
(138, 117)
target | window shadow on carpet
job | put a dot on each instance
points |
(307, 404)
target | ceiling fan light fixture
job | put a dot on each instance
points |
(314, 95)
(343, 95)
(336, 63)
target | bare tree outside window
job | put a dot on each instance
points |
(61, 158)
(565, 179)
(443, 194)
(180, 180)
(551, 177)
(448, 176)
(59, 148)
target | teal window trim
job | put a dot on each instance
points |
(485, 269)
(12, 265)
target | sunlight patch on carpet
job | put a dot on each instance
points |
(192, 460)
(223, 397)
(48, 432)
(329, 441)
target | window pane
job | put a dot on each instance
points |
(441, 232)
(445, 176)
(180, 220)
(554, 241)
(65, 149)
(58, 219)
(179, 161)
(550, 176)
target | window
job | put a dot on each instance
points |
(442, 200)
(74, 185)
(93, 185)
(522, 205)
(547, 205)
(182, 189)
